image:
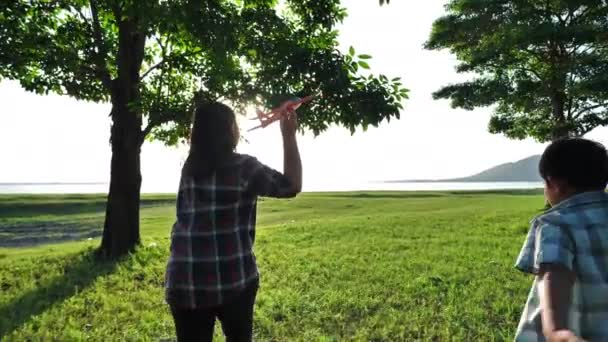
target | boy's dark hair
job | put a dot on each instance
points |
(213, 139)
(581, 163)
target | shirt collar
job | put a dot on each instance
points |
(580, 199)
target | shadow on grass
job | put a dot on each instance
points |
(41, 233)
(78, 274)
(37, 208)
(31, 206)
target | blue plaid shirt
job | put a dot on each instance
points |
(212, 257)
(573, 234)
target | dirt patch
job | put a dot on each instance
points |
(46, 233)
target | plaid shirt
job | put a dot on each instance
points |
(212, 240)
(574, 234)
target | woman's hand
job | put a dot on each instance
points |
(289, 124)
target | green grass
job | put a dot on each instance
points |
(343, 266)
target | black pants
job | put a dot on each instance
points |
(236, 317)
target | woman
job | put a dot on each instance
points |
(212, 270)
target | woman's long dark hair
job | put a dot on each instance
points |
(213, 139)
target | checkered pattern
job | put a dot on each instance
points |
(573, 234)
(212, 240)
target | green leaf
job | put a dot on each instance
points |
(364, 65)
(351, 51)
(364, 56)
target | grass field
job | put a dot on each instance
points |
(342, 266)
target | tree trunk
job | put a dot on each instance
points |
(561, 129)
(558, 109)
(121, 227)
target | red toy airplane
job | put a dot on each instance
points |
(286, 108)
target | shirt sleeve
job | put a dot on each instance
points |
(547, 243)
(554, 246)
(525, 260)
(265, 181)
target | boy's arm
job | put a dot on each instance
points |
(555, 300)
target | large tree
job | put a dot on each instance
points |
(153, 60)
(542, 63)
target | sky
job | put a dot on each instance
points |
(58, 139)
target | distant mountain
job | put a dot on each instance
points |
(525, 170)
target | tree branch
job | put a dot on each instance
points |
(159, 88)
(167, 59)
(102, 52)
(149, 127)
(570, 102)
(534, 72)
(586, 49)
(82, 16)
(94, 70)
(539, 55)
(116, 9)
(589, 108)
(154, 67)
(584, 131)
(583, 13)
(570, 14)
(587, 11)
(163, 50)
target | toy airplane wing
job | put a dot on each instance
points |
(277, 113)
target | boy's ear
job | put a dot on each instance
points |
(555, 184)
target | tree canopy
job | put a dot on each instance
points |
(543, 64)
(242, 52)
(154, 60)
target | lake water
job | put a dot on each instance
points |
(90, 188)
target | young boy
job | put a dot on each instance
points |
(567, 248)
